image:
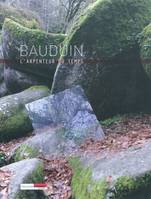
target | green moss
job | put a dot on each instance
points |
(14, 119)
(33, 24)
(24, 152)
(126, 187)
(113, 120)
(145, 49)
(23, 17)
(123, 186)
(17, 35)
(83, 187)
(15, 124)
(3, 159)
(36, 177)
(45, 88)
(133, 188)
(112, 75)
(32, 37)
(128, 16)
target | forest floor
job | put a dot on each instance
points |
(122, 132)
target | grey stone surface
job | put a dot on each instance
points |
(3, 88)
(1, 65)
(134, 164)
(28, 95)
(70, 110)
(47, 142)
(14, 120)
(17, 81)
(25, 171)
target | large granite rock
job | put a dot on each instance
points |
(14, 120)
(1, 64)
(17, 81)
(26, 171)
(3, 88)
(125, 175)
(109, 67)
(32, 57)
(70, 110)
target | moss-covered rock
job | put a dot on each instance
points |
(46, 142)
(111, 72)
(83, 186)
(145, 49)
(26, 18)
(24, 151)
(31, 53)
(122, 176)
(27, 171)
(14, 120)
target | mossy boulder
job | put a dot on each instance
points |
(27, 171)
(125, 175)
(32, 53)
(14, 120)
(3, 88)
(26, 18)
(145, 49)
(25, 151)
(46, 142)
(109, 67)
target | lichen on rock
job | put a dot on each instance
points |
(32, 55)
(111, 74)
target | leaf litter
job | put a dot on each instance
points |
(4, 183)
(129, 131)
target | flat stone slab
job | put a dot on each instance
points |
(26, 171)
(126, 175)
(132, 162)
(47, 143)
(69, 110)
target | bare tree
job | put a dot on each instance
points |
(56, 15)
(71, 7)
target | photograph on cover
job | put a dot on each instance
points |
(75, 99)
